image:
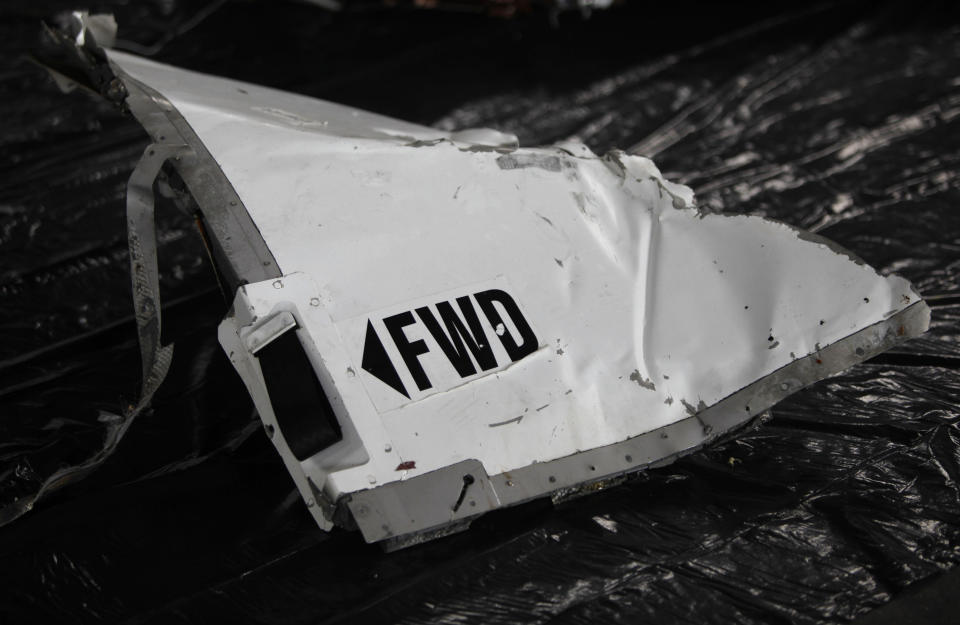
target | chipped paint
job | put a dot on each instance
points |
(524, 161)
(642, 381)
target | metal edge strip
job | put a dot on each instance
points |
(402, 510)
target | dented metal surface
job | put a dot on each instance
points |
(548, 316)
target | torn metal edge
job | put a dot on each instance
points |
(235, 236)
(144, 275)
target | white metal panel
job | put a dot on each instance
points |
(645, 310)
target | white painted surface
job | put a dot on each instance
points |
(644, 308)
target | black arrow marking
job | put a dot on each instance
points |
(377, 362)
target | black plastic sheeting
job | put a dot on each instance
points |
(843, 118)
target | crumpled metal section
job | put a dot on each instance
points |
(638, 328)
(850, 489)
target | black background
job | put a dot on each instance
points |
(838, 117)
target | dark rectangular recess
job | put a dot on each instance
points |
(302, 410)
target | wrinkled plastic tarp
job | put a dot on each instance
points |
(837, 118)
